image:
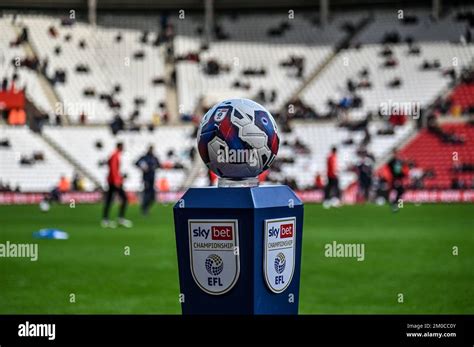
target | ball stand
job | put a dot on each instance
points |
(239, 248)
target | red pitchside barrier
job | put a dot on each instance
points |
(313, 196)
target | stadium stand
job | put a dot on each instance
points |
(398, 25)
(417, 85)
(319, 138)
(303, 152)
(102, 76)
(28, 163)
(444, 164)
(463, 95)
(253, 57)
(12, 67)
(91, 146)
(121, 67)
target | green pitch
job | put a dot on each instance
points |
(408, 253)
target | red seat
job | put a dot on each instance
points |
(428, 152)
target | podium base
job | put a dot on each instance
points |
(239, 250)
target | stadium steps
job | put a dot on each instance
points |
(79, 168)
(193, 174)
(48, 89)
(340, 46)
(407, 145)
(171, 92)
(314, 75)
(402, 143)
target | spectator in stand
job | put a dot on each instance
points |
(463, 167)
(165, 118)
(148, 164)
(13, 87)
(78, 184)
(17, 116)
(82, 118)
(318, 182)
(64, 185)
(398, 172)
(332, 194)
(53, 31)
(394, 83)
(367, 137)
(416, 176)
(390, 62)
(467, 34)
(212, 67)
(23, 37)
(44, 67)
(58, 120)
(115, 185)
(300, 147)
(117, 124)
(5, 187)
(212, 178)
(456, 183)
(263, 176)
(163, 184)
(444, 136)
(386, 52)
(397, 119)
(5, 143)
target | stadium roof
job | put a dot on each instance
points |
(199, 4)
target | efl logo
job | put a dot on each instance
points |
(220, 114)
(279, 253)
(215, 264)
(286, 231)
(222, 232)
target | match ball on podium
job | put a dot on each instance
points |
(238, 139)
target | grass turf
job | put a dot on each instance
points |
(409, 253)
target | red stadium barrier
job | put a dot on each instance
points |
(312, 196)
(81, 197)
(410, 196)
(13, 198)
(20, 198)
(439, 196)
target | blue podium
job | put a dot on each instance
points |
(239, 250)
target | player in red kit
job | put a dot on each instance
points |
(115, 182)
(332, 193)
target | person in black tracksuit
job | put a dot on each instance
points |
(364, 173)
(148, 163)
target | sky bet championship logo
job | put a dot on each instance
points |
(279, 253)
(215, 262)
